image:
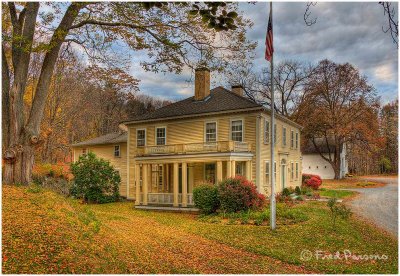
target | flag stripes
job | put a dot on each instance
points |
(269, 40)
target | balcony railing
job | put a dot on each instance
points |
(223, 146)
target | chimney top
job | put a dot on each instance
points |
(202, 68)
(201, 83)
(238, 89)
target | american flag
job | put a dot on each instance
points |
(269, 40)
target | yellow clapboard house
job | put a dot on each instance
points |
(213, 135)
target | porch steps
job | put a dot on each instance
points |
(167, 209)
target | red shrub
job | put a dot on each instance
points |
(314, 182)
(239, 194)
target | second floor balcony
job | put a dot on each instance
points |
(209, 147)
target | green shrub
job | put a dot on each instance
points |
(239, 194)
(338, 210)
(297, 190)
(206, 198)
(95, 180)
(286, 192)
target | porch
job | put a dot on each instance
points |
(170, 182)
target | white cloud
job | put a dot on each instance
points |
(384, 73)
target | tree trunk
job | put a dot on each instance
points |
(19, 163)
(19, 156)
(336, 169)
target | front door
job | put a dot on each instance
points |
(283, 176)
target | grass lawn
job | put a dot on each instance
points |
(46, 233)
(349, 183)
(336, 193)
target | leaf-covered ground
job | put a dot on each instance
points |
(352, 182)
(46, 233)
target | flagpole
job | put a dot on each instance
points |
(272, 174)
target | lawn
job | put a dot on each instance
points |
(347, 183)
(46, 233)
(336, 193)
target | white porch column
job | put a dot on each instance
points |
(219, 171)
(233, 168)
(137, 183)
(176, 184)
(184, 184)
(145, 169)
(248, 170)
(228, 169)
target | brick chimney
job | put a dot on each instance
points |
(201, 83)
(238, 89)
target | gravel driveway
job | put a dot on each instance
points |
(379, 205)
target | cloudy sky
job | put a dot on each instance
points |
(344, 32)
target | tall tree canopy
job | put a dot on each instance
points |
(338, 108)
(173, 35)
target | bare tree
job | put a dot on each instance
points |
(289, 78)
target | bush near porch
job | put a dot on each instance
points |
(95, 180)
(229, 196)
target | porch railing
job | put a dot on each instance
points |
(222, 146)
(167, 198)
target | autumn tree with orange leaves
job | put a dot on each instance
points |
(340, 107)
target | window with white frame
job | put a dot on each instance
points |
(84, 151)
(141, 137)
(291, 170)
(297, 170)
(117, 151)
(237, 130)
(266, 132)
(267, 168)
(291, 139)
(211, 132)
(275, 171)
(284, 136)
(297, 140)
(161, 133)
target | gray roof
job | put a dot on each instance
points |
(110, 138)
(309, 148)
(220, 99)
